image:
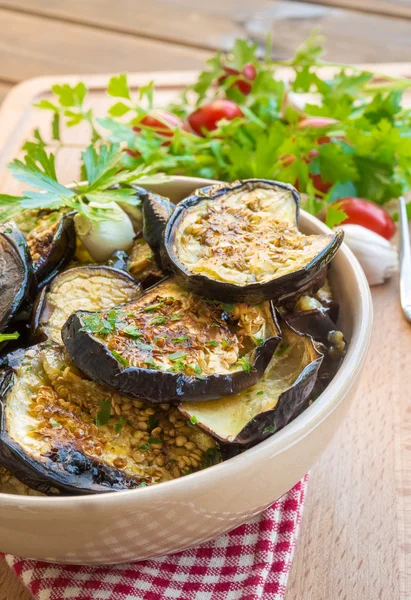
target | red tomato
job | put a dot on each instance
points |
(369, 215)
(249, 72)
(317, 122)
(159, 126)
(208, 115)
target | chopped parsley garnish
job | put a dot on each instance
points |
(258, 341)
(177, 355)
(4, 337)
(160, 320)
(143, 346)
(142, 484)
(228, 308)
(211, 343)
(181, 339)
(197, 370)
(103, 414)
(154, 307)
(132, 331)
(245, 364)
(119, 425)
(194, 420)
(53, 422)
(179, 365)
(121, 359)
(214, 325)
(145, 446)
(95, 324)
(8, 230)
(151, 364)
(176, 316)
(270, 429)
(225, 343)
(154, 440)
(152, 422)
(260, 392)
(63, 368)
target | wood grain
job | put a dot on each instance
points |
(92, 41)
(355, 538)
(395, 8)
(52, 47)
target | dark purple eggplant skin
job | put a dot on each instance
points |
(16, 277)
(277, 289)
(289, 406)
(61, 252)
(316, 323)
(156, 211)
(91, 356)
(65, 470)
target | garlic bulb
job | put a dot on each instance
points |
(377, 256)
(101, 238)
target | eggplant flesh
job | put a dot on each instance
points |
(88, 288)
(240, 243)
(63, 434)
(15, 272)
(256, 413)
(170, 344)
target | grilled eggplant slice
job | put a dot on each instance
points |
(156, 212)
(15, 272)
(61, 433)
(142, 265)
(51, 238)
(170, 344)
(88, 288)
(256, 413)
(241, 243)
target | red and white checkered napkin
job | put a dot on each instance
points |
(249, 563)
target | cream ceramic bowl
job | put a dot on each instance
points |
(138, 524)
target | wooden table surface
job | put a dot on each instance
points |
(355, 539)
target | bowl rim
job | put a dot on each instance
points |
(290, 435)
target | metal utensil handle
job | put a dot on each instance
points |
(405, 260)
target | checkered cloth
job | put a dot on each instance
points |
(249, 563)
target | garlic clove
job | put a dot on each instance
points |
(376, 255)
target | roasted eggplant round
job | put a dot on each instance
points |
(141, 264)
(282, 392)
(51, 238)
(88, 288)
(61, 433)
(15, 272)
(241, 243)
(170, 345)
(156, 212)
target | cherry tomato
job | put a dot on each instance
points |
(249, 72)
(159, 125)
(363, 212)
(208, 115)
(318, 122)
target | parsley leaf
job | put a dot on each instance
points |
(121, 359)
(132, 331)
(334, 215)
(118, 86)
(103, 415)
(177, 355)
(119, 426)
(270, 429)
(160, 320)
(245, 364)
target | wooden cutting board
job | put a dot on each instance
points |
(355, 540)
